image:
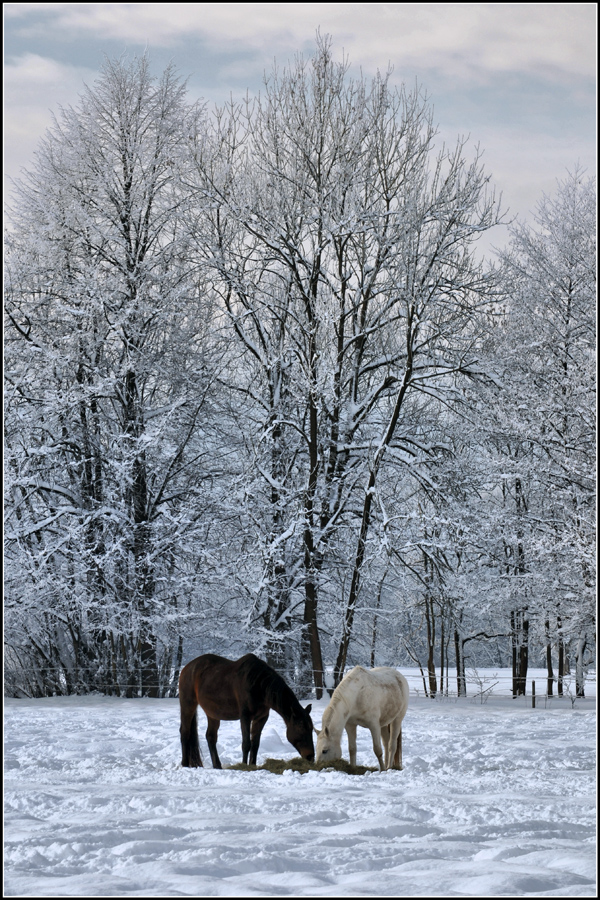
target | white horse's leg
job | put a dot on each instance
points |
(387, 747)
(396, 743)
(351, 732)
(376, 735)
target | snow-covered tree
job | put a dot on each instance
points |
(541, 427)
(342, 246)
(262, 395)
(108, 372)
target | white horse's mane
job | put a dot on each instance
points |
(337, 698)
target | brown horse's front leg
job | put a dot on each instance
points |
(258, 723)
(211, 739)
(246, 742)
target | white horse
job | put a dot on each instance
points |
(376, 699)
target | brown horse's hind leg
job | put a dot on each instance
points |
(211, 739)
(188, 730)
(258, 723)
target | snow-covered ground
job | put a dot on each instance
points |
(496, 799)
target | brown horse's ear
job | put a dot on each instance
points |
(308, 708)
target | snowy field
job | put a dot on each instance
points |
(496, 799)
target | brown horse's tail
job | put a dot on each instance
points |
(188, 729)
(190, 747)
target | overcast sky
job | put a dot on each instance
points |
(519, 78)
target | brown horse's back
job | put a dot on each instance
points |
(211, 682)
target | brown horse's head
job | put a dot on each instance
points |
(300, 733)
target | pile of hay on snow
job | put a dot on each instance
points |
(279, 766)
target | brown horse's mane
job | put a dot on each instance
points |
(277, 694)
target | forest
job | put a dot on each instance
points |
(264, 392)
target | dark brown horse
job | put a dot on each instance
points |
(245, 689)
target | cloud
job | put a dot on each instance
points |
(33, 85)
(513, 163)
(519, 78)
(460, 40)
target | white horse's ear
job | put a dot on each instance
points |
(316, 731)
(326, 731)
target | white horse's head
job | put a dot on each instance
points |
(329, 747)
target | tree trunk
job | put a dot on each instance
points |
(461, 681)
(142, 540)
(430, 621)
(550, 679)
(311, 635)
(524, 658)
(579, 673)
(443, 658)
(519, 622)
(561, 656)
(373, 641)
(340, 664)
(361, 545)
